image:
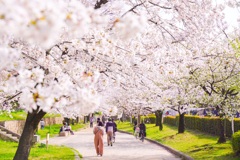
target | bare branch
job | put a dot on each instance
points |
(163, 7)
(132, 9)
(10, 98)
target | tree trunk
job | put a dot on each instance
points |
(160, 120)
(77, 120)
(25, 141)
(222, 137)
(131, 121)
(157, 117)
(138, 119)
(181, 125)
(85, 119)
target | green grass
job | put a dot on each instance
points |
(38, 152)
(52, 115)
(78, 126)
(19, 115)
(53, 130)
(198, 145)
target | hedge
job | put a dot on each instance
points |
(151, 118)
(204, 124)
(236, 142)
(171, 120)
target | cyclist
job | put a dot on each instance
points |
(142, 133)
(109, 131)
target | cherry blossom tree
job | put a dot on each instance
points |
(60, 55)
(44, 59)
(219, 80)
(37, 67)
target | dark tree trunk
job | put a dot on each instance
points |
(138, 119)
(85, 119)
(222, 136)
(157, 117)
(160, 120)
(25, 141)
(181, 125)
(77, 120)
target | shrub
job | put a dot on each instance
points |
(204, 124)
(171, 120)
(150, 119)
(236, 142)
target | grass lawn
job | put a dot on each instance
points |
(38, 152)
(53, 130)
(195, 144)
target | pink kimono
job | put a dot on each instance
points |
(98, 139)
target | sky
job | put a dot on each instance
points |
(231, 16)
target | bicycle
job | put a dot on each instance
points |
(141, 135)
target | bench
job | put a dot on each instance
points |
(64, 133)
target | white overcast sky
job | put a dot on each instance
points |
(231, 14)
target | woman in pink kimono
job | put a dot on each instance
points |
(98, 138)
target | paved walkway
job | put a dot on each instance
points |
(126, 147)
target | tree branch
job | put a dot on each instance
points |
(163, 7)
(99, 3)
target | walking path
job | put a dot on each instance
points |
(126, 147)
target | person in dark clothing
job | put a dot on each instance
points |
(103, 120)
(109, 131)
(98, 120)
(237, 114)
(135, 125)
(114, 130)
(91, 122)
(114, 126)
(142, 129)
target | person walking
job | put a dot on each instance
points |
(134, 127)
(98, 120)
(114, 130)
(103, 120)
(91, 122)
(109, 131)
(137, 131)
(98, 131)
(42, 123)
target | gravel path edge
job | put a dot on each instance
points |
(176, 152)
